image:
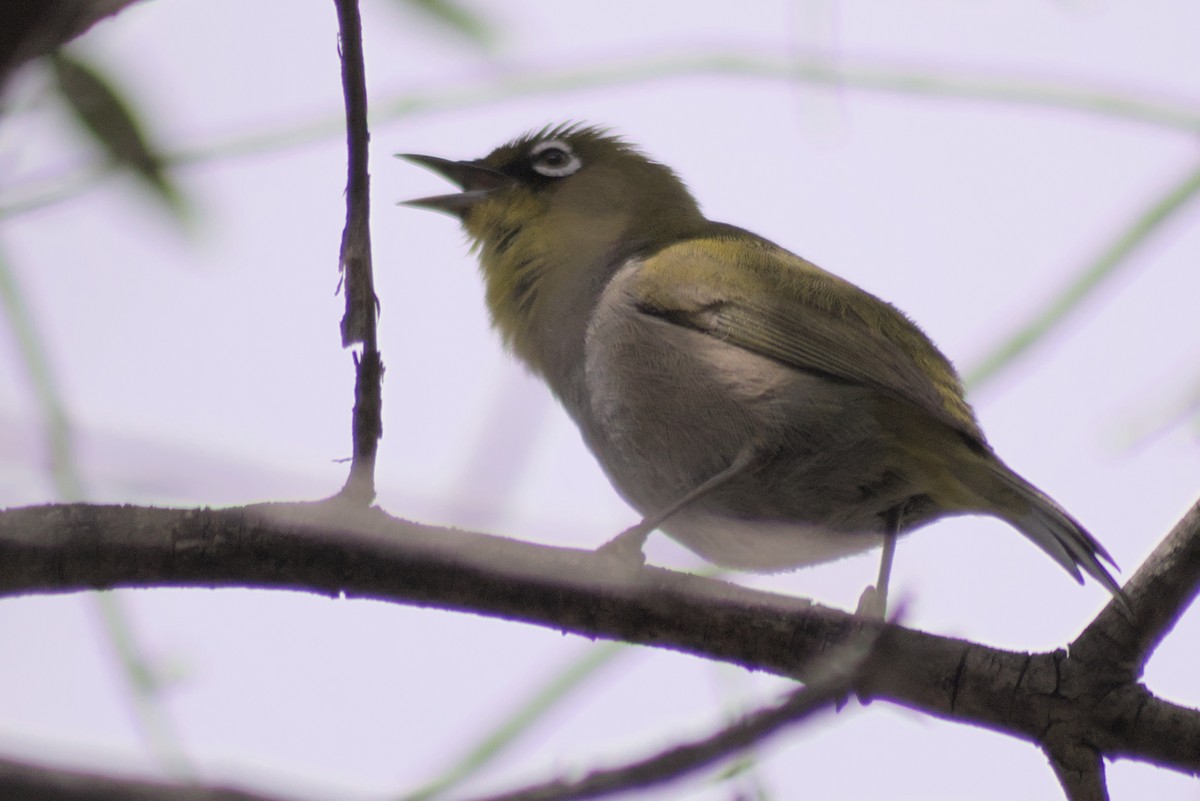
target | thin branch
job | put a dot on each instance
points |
(362, 305)
(334, 550)
(689, 757)
(1160, 592)
(682, 759)
(528, 712)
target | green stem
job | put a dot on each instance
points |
(525, 715)
(732, 62)
(889, 79)
(1085, 284)
(138, 671)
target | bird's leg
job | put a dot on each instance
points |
(627, 546)
(873, 601)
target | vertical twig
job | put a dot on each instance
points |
(362, 305)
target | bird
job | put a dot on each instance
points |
(763, 412)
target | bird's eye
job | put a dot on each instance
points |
(554, 159)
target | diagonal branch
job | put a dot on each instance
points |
(1160, 592)
(684, 758)
(832, 679)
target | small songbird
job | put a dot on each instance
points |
(761, 411)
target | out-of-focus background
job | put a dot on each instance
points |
(969, 161)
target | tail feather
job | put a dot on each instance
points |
(1051, 528)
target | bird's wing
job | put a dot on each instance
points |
(753, 294)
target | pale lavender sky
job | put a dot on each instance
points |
(206, 369)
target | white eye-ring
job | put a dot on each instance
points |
(554, 159)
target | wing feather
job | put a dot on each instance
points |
(753, 294)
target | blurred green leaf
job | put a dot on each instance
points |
(112, 122)
(457, 18)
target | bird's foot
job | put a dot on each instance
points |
(872, 604)
(626, 547)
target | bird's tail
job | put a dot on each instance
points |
(1047, 524)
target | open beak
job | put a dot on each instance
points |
(477, 182)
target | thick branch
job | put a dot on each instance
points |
(321, 548)
(1080, 771)
(20, 781)
(1160, 592)
(29, 30)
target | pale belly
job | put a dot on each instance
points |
(669, 408)
(764, 546)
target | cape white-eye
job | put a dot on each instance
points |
(758, 409)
